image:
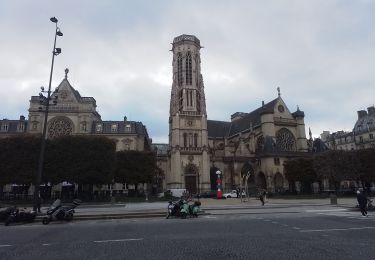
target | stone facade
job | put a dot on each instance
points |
(362, 136)
(257, 142)
(73, 114)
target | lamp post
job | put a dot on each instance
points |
(46, 102)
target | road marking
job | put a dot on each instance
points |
(5, 245)
(274, 222)
(336, 229)
(46, 244)
(297, 228)
(324, 210)
(118, 240)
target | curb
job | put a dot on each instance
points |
(117, 216)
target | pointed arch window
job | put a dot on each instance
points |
(198, 102)
(185, 140)
(196, 140)
(179, 69)
(188, 67)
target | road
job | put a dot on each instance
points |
(327, 233)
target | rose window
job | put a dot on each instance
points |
(60, 127)
(285, 140)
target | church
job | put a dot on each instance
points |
(248, 150)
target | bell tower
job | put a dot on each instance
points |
(188, 140)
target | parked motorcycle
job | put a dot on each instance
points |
(20, 215)
(5, 213)
(59, 212)
(183, 209)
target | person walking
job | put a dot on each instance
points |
(362, 201)
(261, 197)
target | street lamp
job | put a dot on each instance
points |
(46, 102)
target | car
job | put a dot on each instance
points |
(233, 194)
(208, 194)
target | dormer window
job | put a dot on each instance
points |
(128, 128)
(21, 127)
(5, 127)
(99, 128)
(35, 126)
(114, 128)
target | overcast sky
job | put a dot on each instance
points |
(320, 53)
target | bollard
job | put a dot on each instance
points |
(333, 198)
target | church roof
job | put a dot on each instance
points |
(253, 117)
(217, 128)
(222, 128)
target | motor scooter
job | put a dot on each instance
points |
(183, 209)
(5, 212)
(59, 212)
(20, 215)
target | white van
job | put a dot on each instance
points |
(175, 192)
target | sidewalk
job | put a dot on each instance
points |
(159, 209)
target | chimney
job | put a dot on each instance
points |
(371, 111)
(263, 103)
(22, 118)
(125, 118)
(361, 113)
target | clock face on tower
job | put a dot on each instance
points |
(281, 108)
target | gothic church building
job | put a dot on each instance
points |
(253, 144)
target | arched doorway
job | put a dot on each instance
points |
(248, 168)
(279, 182)
(191, 173)
(261, 181)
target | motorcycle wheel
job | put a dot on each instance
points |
(8, 221)
(69, 217)
(46, 220)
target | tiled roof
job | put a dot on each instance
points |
(221, 129)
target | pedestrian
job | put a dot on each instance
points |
(39, 203)
(264, 195)
(261, 197)
(238, 192)
(362, 201)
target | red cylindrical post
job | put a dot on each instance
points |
(219, 193)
